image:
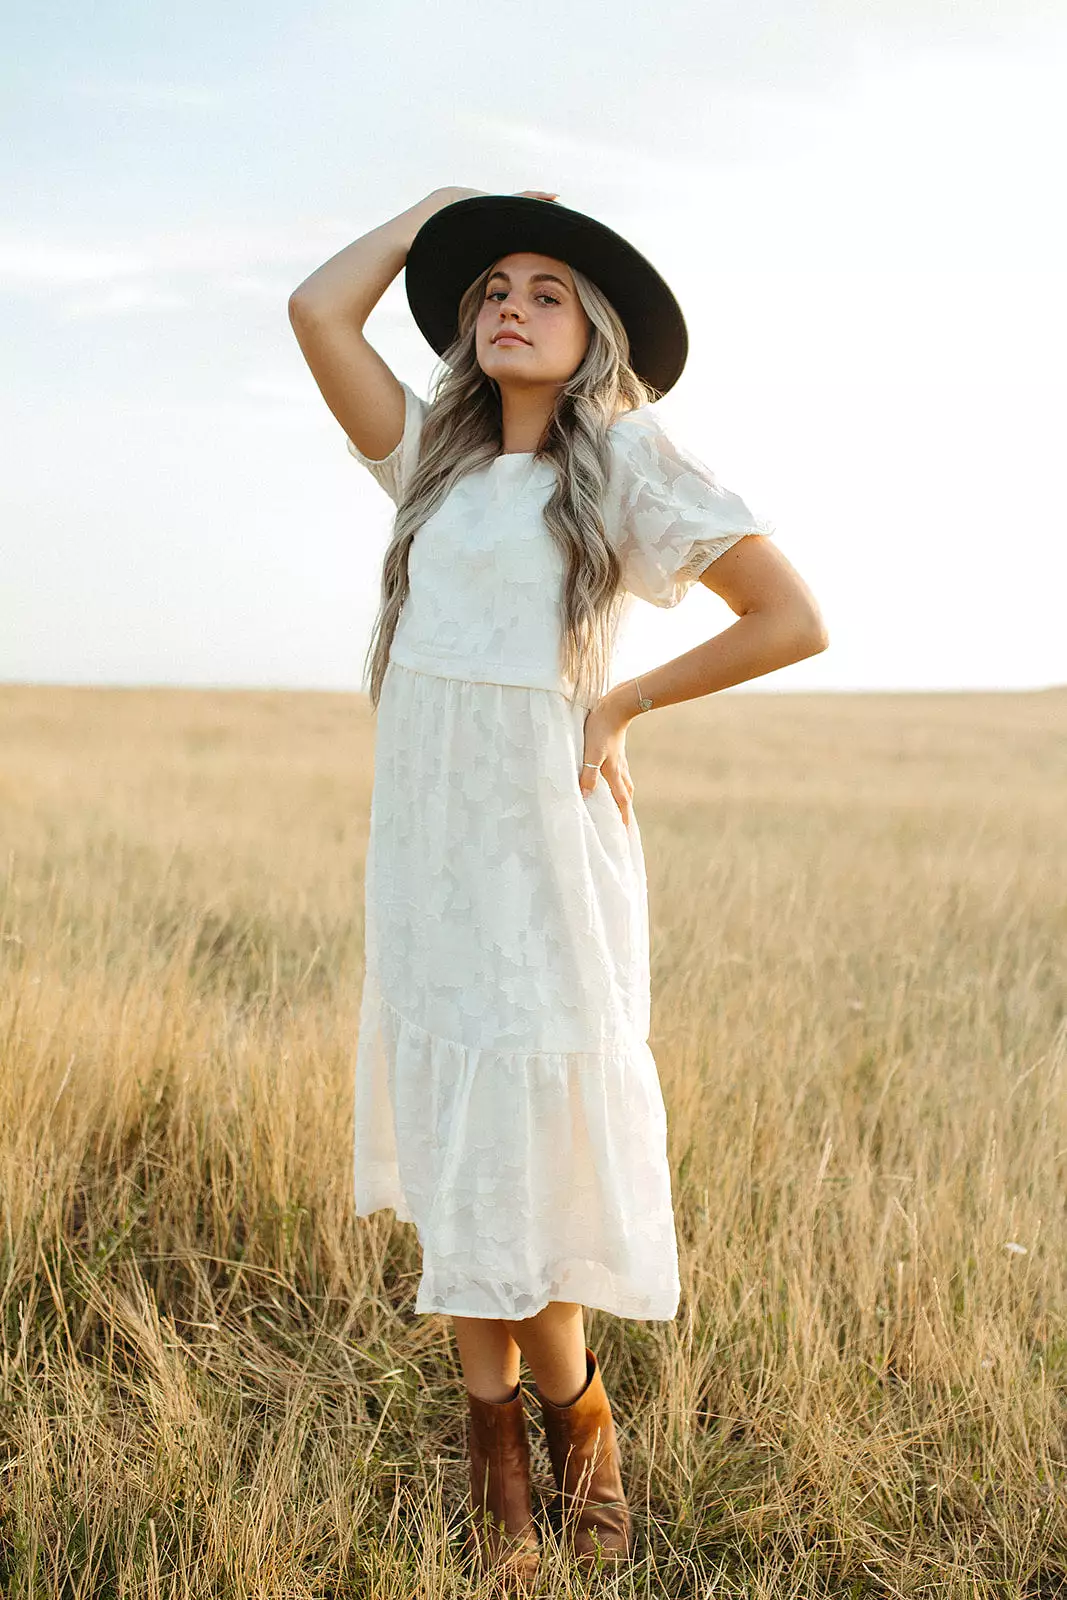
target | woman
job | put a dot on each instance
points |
(507, 1101)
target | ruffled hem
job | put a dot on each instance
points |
(586, 1282)
(529, 1176)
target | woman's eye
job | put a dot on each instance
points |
(544, 295)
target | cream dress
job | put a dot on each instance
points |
(506, 1099)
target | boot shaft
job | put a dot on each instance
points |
(581, 1440)
(585, 1464)
(504, 1534)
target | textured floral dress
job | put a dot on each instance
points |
(506, 1099)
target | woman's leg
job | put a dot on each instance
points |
(503, 1535)
(553, 1343)
(579, 1428)
(488, 1355)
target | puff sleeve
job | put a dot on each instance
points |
(393, 471)
(668, 515)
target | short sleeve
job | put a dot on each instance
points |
(393, 470)
(670, 517)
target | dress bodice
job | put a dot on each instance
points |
(485, 574)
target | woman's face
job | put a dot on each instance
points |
(534, 297)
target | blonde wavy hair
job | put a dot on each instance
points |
(462, 431)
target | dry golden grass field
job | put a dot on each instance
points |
(213, 1383)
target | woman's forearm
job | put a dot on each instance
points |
(757, 643)
(349, 285)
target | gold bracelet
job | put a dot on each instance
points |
(642, 700)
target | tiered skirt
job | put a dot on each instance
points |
(506, 1099)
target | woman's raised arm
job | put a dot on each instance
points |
(328, 310)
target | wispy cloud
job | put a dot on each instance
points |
(168, 271)
(624, 163)
(122, 299)
(153, 96)
(29, 266)
(724, 128)
(244, 252)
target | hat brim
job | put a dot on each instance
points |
(458, 242)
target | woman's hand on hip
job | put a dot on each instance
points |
(605, 746)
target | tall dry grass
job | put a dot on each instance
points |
(213, 1382)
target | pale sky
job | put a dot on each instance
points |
(858, 205)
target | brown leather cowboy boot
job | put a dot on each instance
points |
(585, 1463)
(503, 1538)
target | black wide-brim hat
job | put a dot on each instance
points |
(458, 242)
